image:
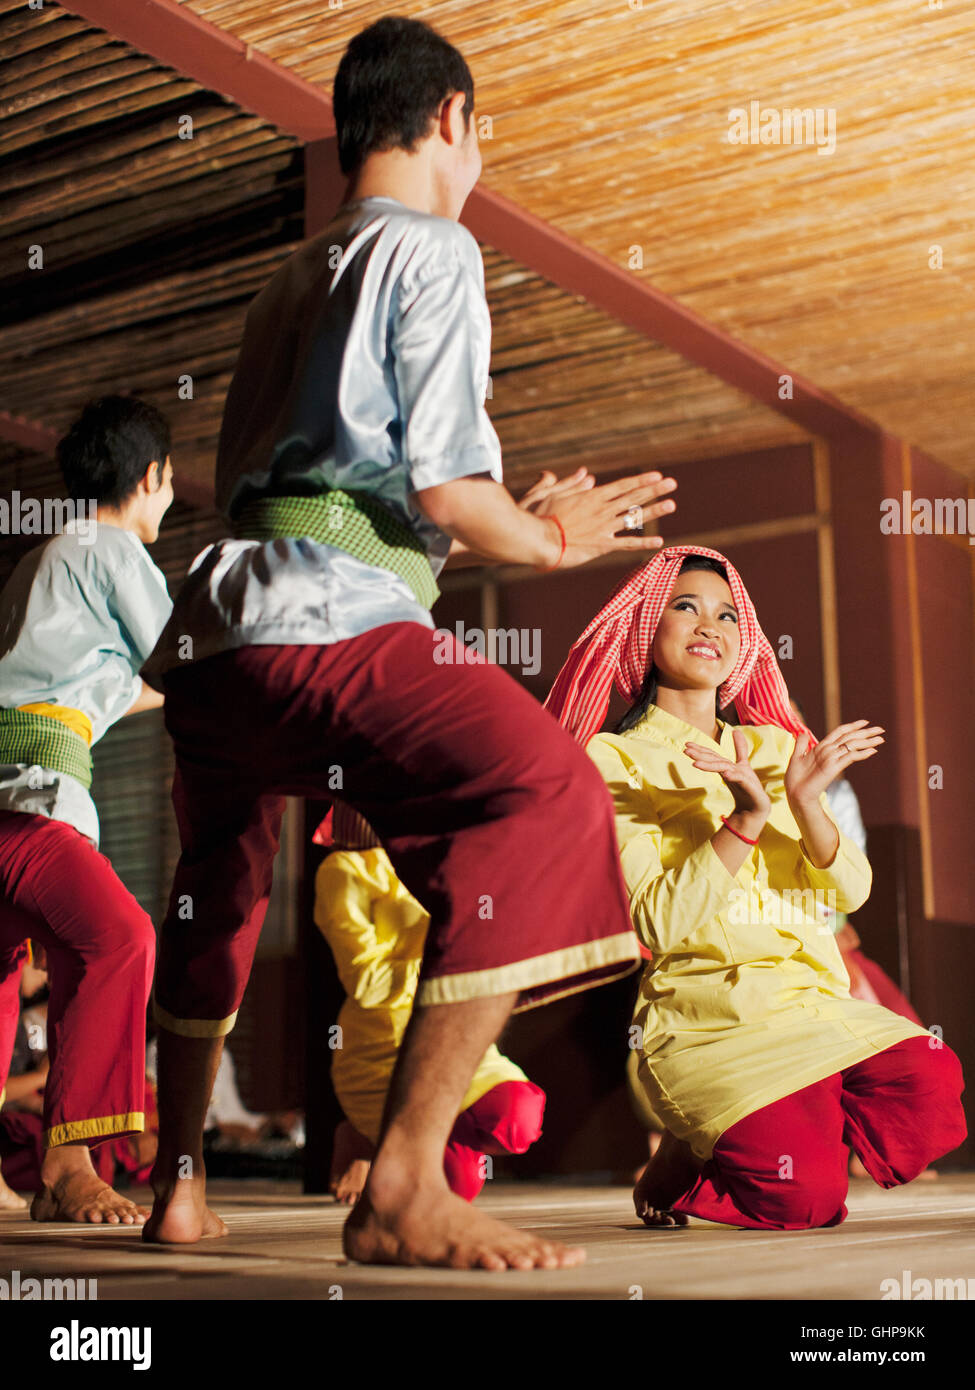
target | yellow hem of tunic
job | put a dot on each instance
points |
(102, 1128)
(537, 970)
(626, 967)
(703, 1136)
(193, 1027)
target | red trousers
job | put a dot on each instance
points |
(21, 1150)
(57, 889)
(784, 1168)
(482, 801)
(506, 1120)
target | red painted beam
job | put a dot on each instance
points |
(173, 34)
(572, 266)
(325, 184)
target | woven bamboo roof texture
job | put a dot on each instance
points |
(610, 120)
(154, 245)
(607, 122)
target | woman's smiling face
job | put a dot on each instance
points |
(697, 641)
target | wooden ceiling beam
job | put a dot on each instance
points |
(576, 268)
(174, 35)
(196, 48)
(27, 434)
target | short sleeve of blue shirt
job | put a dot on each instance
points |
(440, 345)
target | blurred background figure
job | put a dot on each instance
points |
(21, 1129)
(376, 930)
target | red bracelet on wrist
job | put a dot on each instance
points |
(547, 569)
(740, 836)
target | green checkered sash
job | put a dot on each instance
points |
(351, 521)
(38, 741)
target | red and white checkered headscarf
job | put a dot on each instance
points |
(617, 647)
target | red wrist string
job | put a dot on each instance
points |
(740, 836)
(547, 569)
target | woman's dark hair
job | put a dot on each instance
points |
(107, 450)
(390, 84)
(648, 691)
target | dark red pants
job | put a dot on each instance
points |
(22, 1150)
(57, 889)
(492, 816)
(506, 1120)
(784, 1168)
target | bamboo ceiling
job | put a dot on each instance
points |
(610, 120)
(153, 247)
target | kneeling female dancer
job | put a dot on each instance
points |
(754, 1055)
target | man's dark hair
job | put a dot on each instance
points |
(107, 450)
(391, 82)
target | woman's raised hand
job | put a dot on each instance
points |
(744, 783)
(812, 770)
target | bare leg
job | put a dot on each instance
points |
(73, 1191)
(407, 1214)
(654, 1139)
(187, 1069)
(670, 1173)
(352, 1154)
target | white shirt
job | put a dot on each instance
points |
(364, 365)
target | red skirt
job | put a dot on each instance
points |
(493, 817)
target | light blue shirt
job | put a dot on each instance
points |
(78, 617)
(364, 365)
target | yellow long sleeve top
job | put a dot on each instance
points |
(376, 930)
(746, 999)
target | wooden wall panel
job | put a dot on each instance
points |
(741, 489)
(941, 635)
(873, 615)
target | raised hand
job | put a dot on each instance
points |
(542, 494)
(811, 771)
(744, 783)
(591, 518)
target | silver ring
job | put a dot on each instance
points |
(633, 521)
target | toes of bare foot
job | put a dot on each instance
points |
(657, 1218)
(89, 1200)
(434, 1228)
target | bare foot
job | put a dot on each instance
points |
(352, 1155)
(671, 1172)
(83, 1196)
(9, 1201)
(180, 1215)
(399, 1220)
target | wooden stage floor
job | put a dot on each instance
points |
(284, 1245)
